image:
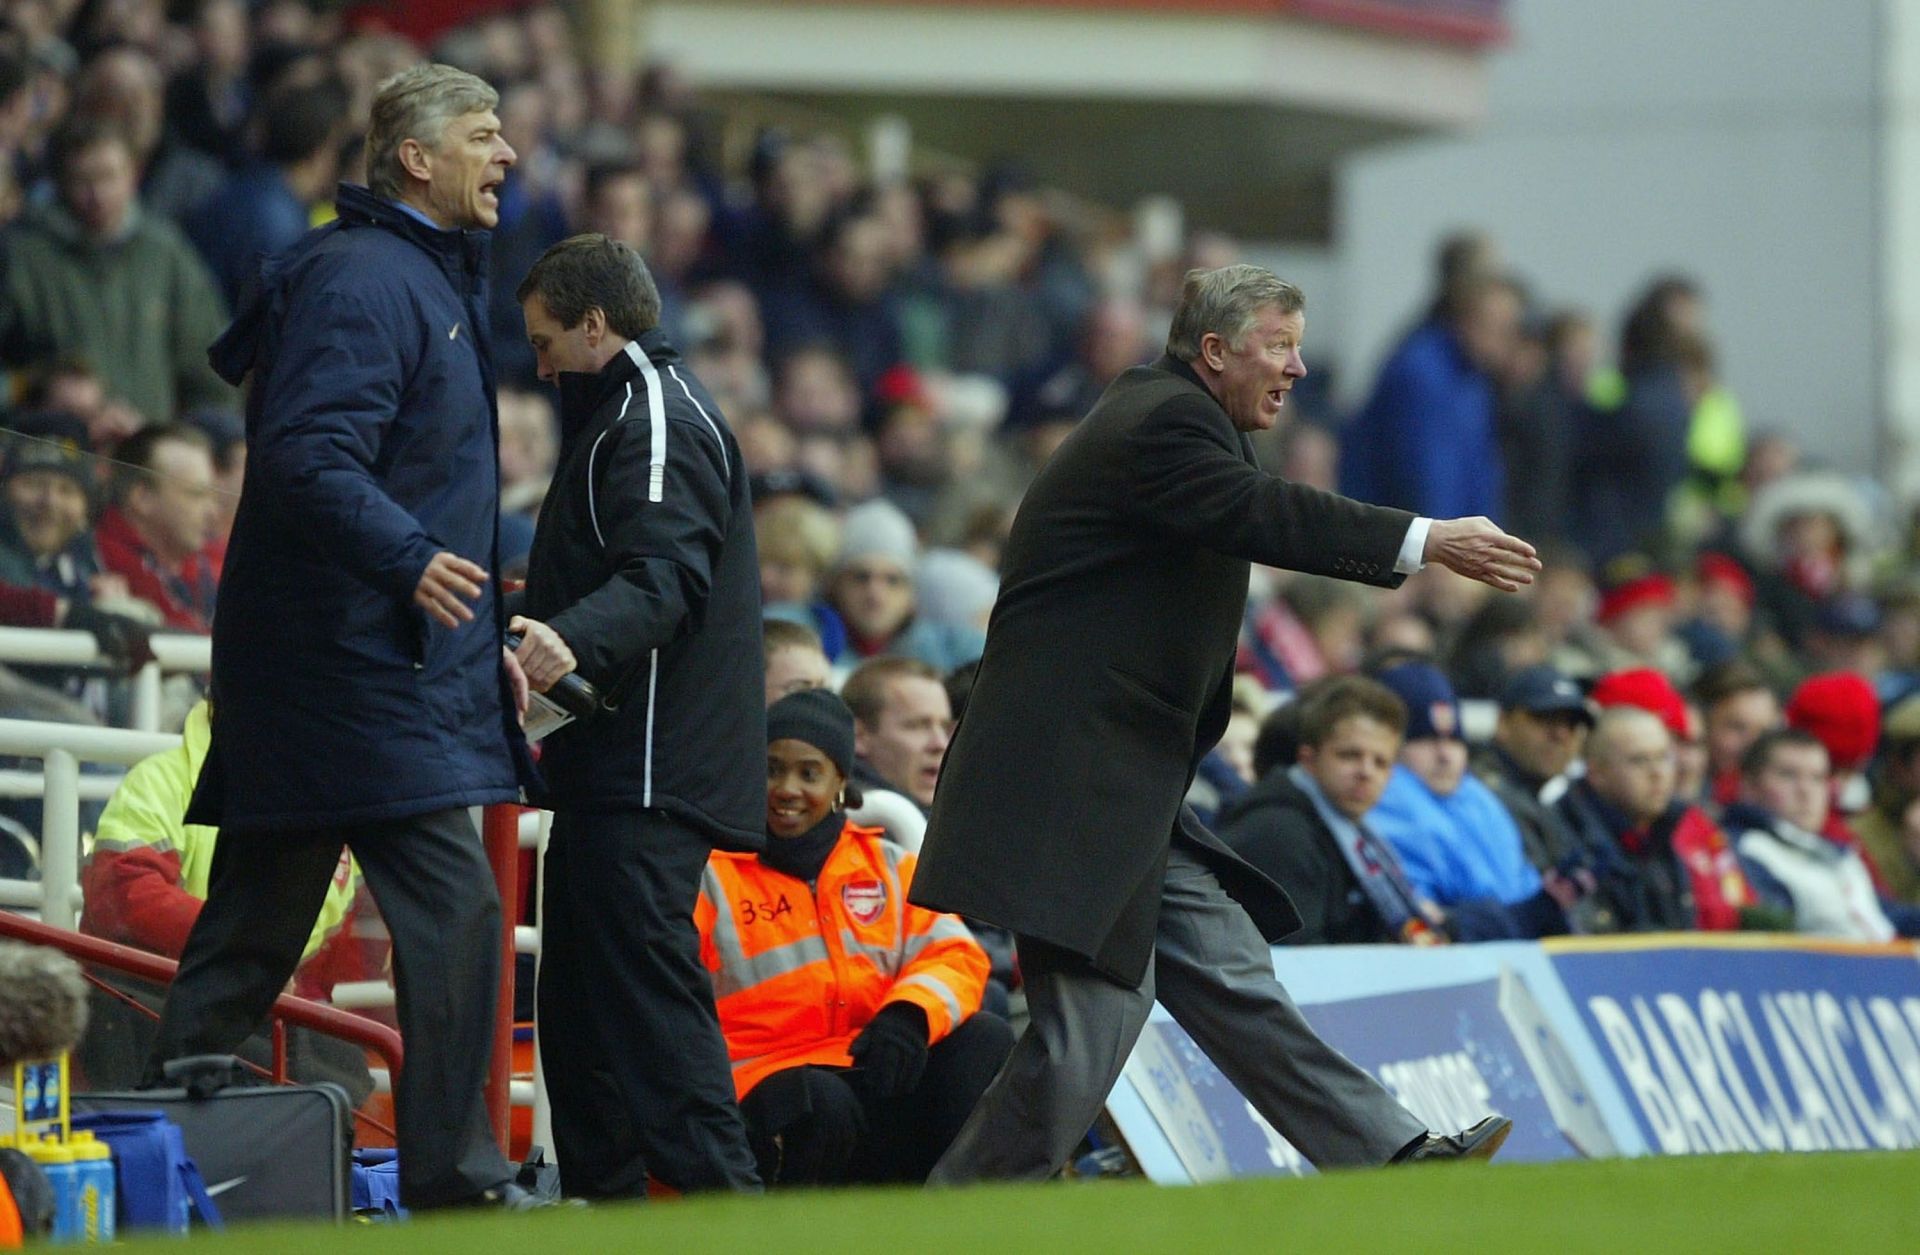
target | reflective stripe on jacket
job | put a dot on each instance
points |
(798, 971)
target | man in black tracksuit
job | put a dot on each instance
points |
(644, 578)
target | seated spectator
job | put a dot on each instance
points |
(1305, 823)
(1647, 689)
(795, 661)
(1660, 863)
(859, 1055)
(902, 722)
(798, 539)
(1887, 835)
(1636, 618)
(1785, 783)
(872, 589)
(78, 271)
(1738, 705)
(1544, 720)
(955, 589)
(1723, 621)
(46, 540)
(144, 886)
(1461, 848)
(228, 435)
(156, 531)
(1842, 713)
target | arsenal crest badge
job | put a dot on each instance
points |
(864, 900)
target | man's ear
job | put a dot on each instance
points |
(859, 739)
(1306, 755)
(594, 323)
(415, 159)
(1213, 350)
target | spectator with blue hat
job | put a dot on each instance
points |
(1460, 847)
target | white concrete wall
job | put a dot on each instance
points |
(1733, 139)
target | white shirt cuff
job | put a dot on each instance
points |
(1413, 549)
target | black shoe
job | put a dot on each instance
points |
(1481, 1141)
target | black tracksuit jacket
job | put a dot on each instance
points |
(644, 563)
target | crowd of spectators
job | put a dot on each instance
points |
(899, 352)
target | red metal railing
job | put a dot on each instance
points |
(500, 833)
(287, 1009)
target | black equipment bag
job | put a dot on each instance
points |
(265, 1151)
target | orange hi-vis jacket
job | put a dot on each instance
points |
(798, 971)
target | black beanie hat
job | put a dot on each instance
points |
(818, 717)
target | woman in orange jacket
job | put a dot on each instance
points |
(852, 1017)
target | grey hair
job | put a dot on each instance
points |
(1225, 302)
(417, 103)
(43, 1003)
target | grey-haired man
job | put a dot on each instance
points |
(1122, 592)
(364, 698)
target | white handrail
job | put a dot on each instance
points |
(62, 747)
(173, 652)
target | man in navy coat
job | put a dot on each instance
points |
(361, 692)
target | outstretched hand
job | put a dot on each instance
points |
(1479, 550)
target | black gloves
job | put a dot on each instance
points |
(123, 640)
(891, 1051)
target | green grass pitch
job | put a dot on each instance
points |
(1855, 1204)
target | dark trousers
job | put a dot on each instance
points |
(630, 1044)
(815, 1126)
(1214, 973)
(430, 878)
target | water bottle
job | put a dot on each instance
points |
(94, 1160)
(63, 1174)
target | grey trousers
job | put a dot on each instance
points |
(1214, 973)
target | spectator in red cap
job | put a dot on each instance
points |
(1840, 711)
(1637, 614)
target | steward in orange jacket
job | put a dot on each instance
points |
(799, 970)
(851, 1016)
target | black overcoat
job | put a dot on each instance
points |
(1109, 668)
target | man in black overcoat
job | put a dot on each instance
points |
(1107, 678)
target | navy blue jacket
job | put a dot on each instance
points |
(372, 441)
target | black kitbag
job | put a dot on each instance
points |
(265, 1151)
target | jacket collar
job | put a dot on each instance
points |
(582, 394)
(1745, 816)
(1173, 365)
(461, 253)
(1184, 370)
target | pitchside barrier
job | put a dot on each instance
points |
(1674, 1043)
